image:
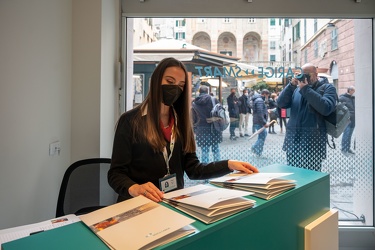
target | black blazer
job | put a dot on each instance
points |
(136, 162)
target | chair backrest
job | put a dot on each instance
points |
(85, 188)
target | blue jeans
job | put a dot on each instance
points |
(347, 138)
(215, 152)
(257, 147)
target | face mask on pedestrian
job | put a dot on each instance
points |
(246, 94)
(170, 94)
(233, 93)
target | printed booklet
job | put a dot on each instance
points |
(263, 185)
(208, 203)
(138, 223)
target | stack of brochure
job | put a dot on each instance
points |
(208, 203)
(138, 223)
(263, 185)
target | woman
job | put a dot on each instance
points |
(154, 142)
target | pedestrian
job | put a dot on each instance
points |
(234, 112)
(245, 112)
(306, 134)
(272, 112)
(349, 100)
(260, 116)
(154, 142)
(206, 135)
(282, 118)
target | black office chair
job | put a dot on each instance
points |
(85, 188)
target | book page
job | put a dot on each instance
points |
(256, 178)
(206, 196)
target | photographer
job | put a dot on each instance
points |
(306, 134)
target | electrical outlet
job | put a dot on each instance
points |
(54, 148)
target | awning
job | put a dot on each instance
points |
(273, 80)
(213, 82)
(183, 51)
(156, 57)
(329, 78)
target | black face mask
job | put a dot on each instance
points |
(170, 94)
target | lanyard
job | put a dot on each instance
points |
(165, 153)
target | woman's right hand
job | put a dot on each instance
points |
(148, 190)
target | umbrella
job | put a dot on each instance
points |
(261, 129)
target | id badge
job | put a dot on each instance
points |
(168, 183)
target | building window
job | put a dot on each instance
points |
(180, 23)
(315, 25)
(272, 58)
(334, 43)
(225, 52)
(305, 55)
(272, 21)
(226, 20)
(296, 32)
(180, 35)
(251, 20)
(286, 22)
(316, 49)
(273, 45)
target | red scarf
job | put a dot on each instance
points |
(167, 132)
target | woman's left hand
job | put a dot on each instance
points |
(242, 166)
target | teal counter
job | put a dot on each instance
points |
(273, 224)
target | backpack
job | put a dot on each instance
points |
(337, 121)
(218, 117)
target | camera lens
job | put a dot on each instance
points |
(301, 77)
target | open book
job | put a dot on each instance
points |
(138, 223)
(263, 185)
(208, 203)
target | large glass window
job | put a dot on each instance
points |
(214, 49)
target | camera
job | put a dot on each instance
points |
(302, 77)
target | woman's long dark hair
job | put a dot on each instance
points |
(148, 128)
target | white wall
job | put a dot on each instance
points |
(35, 106)
(55, 84)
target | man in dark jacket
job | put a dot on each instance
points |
(306, 134)
(260, 115)
(349, 100)
(245, 112)
(234, 112)
(206, 135)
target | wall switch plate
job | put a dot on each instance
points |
(54, 148)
